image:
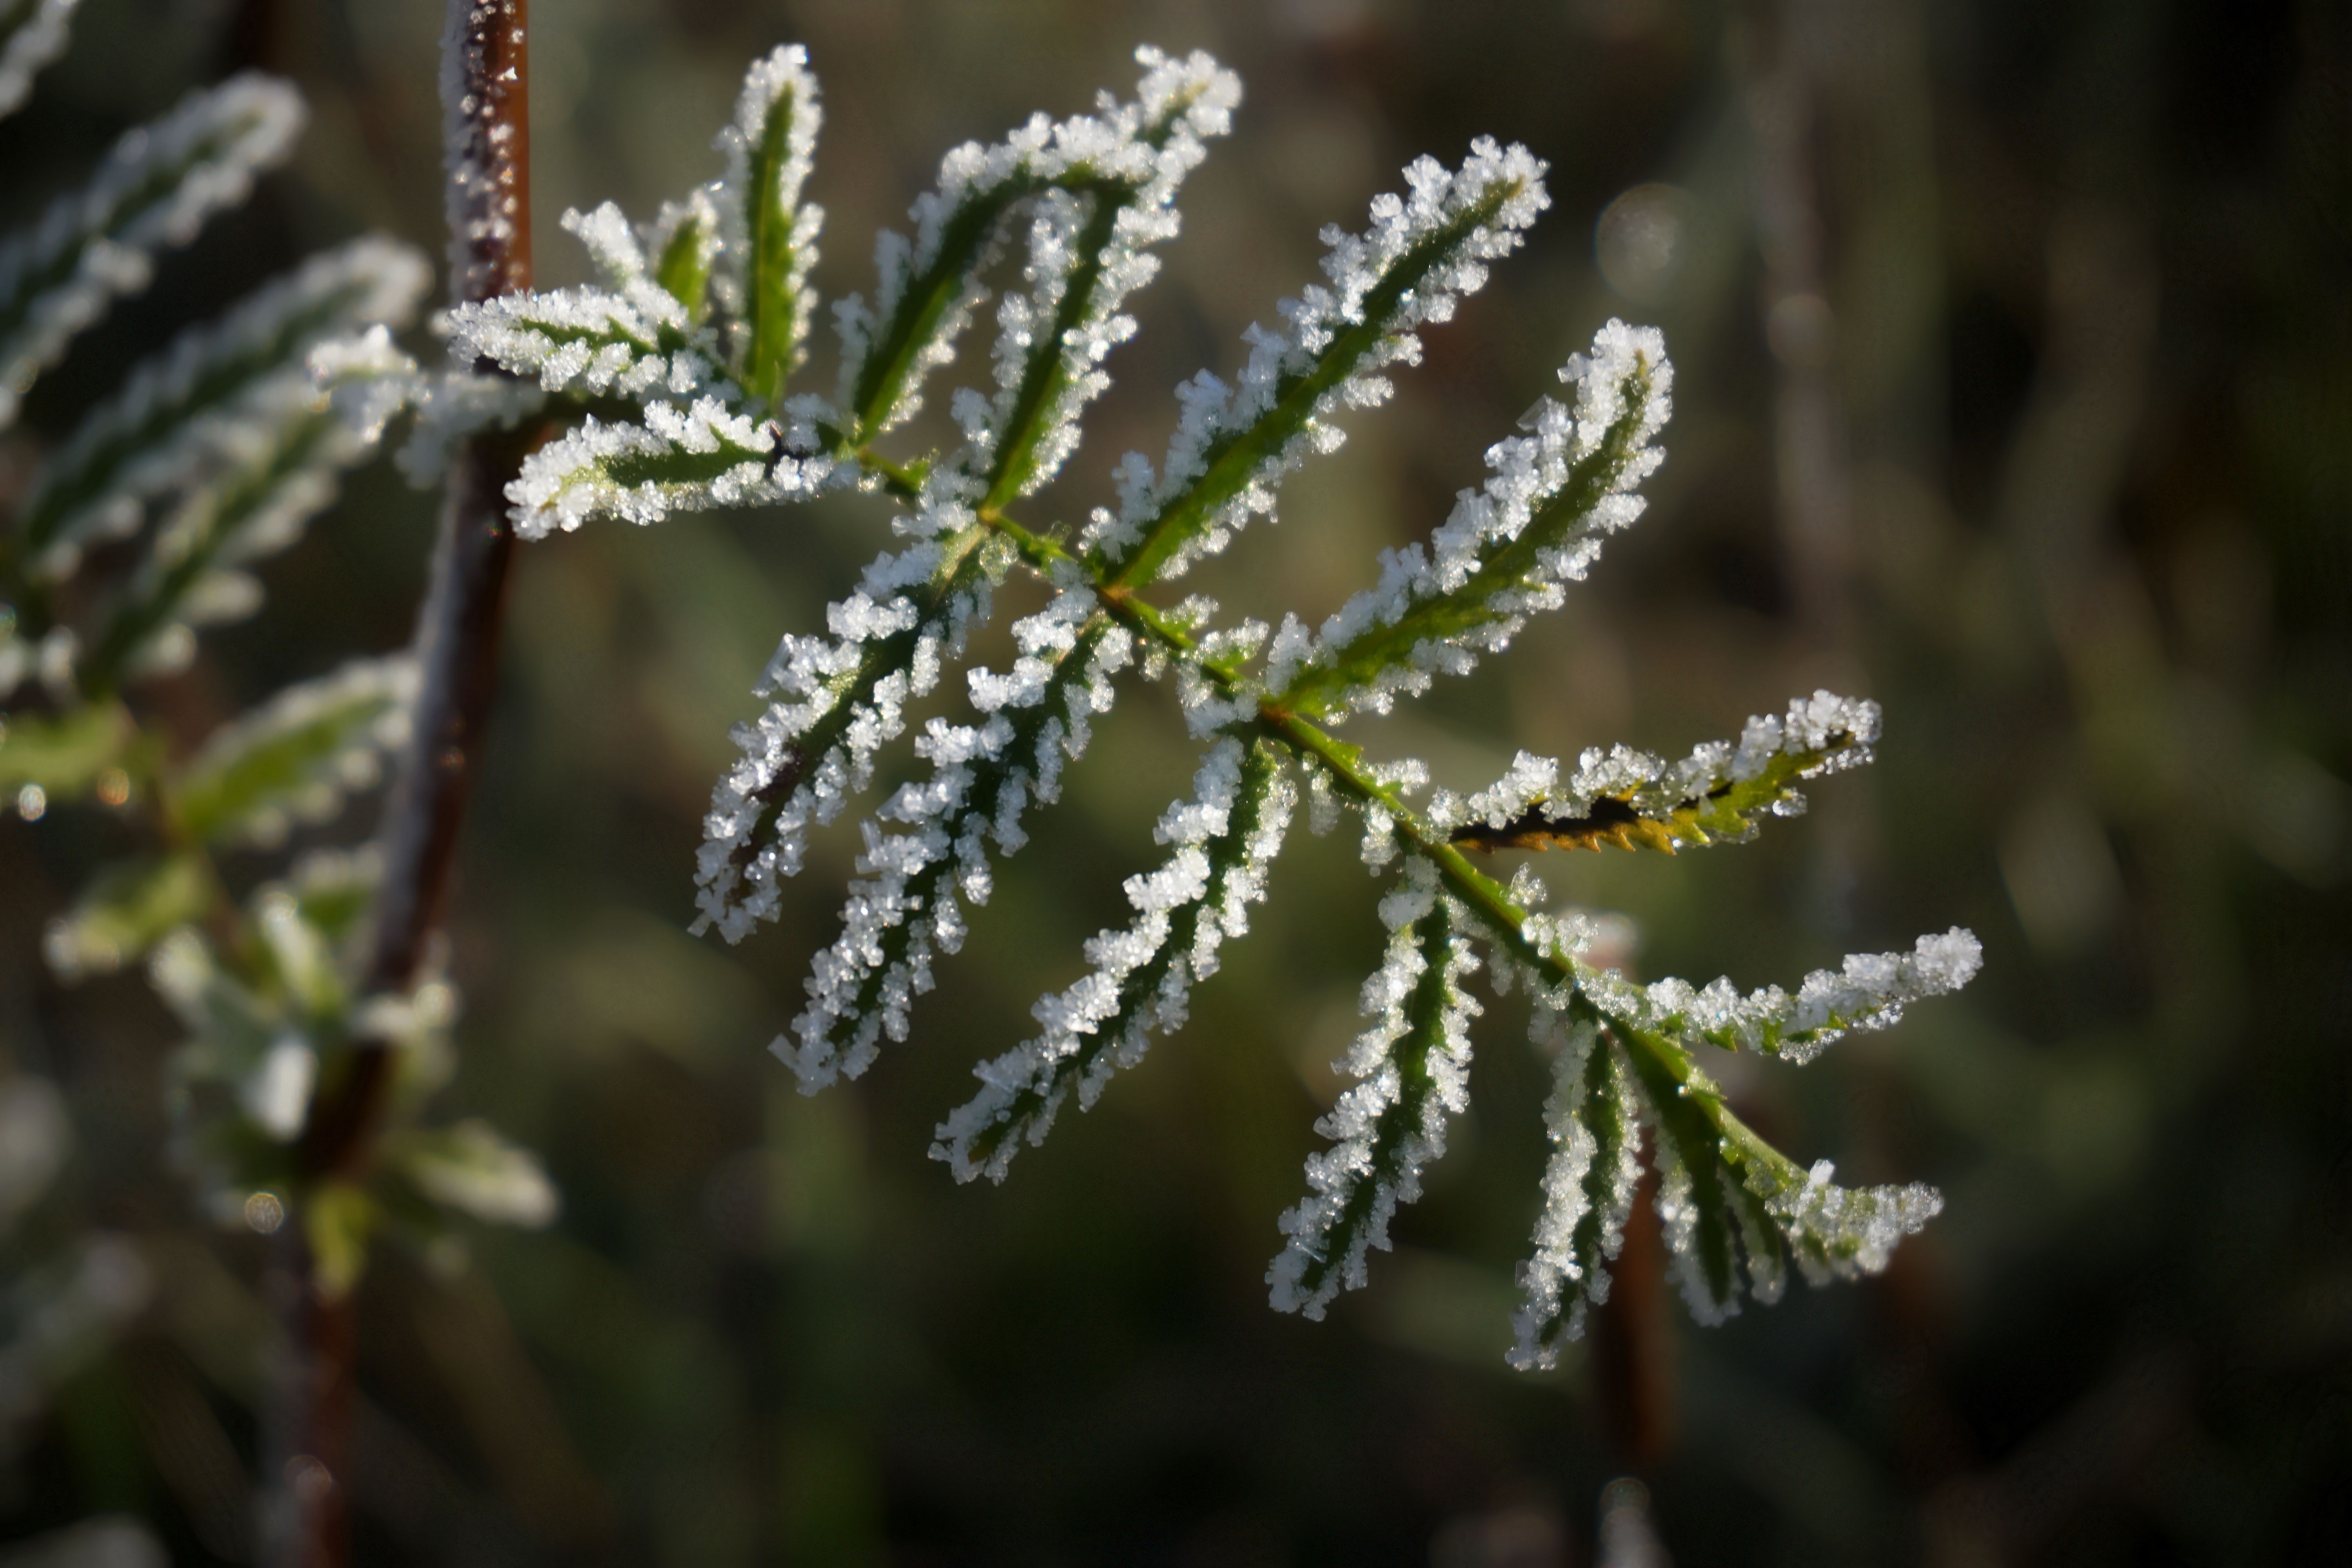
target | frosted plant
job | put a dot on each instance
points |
(673, 382)
(140, 526)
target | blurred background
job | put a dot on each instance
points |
(2014, 389)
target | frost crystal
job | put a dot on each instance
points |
(1588, 1190)
(1233, 444)
(1869, 991)
(36, 35)
(1508, 550)
(914, 883)
(1224, 836)
(157, 187)
(763, 230)
(218, 392)
(1128, 158)
(1412, 1068)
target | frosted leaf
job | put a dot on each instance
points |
(581, 343)
(1234, 444)
(681, 245)
(156, 187)
(833, 702)
(1412, 1067)
(680, 458)
(272, 471)
(470, 1167)
(1127, 159)
(1509, 548)
(453, 405)
(1088, 242)
(1843, 1233)
(32, 33)
(1868, 991)
(1625, 797)
(216, 392)
(1588, 1190)
(765, 242)
(1697, 1201)
(295, 755)
(1223, 840)
(917, 876)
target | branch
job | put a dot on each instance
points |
(487, 128)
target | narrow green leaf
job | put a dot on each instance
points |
(157, 187)
(682, 261)
(64, 753)
(125, 911)
(295, 755)
(32, 33)
(209, 393)
(337, 1220)
(782, 232)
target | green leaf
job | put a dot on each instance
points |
(337, 1218)
(1694, 1194)
(1239, 458)
(296, 756)
(683, 258)
(157, 187)
(255, 508)
(1588, 1187)
(782, 238)
(213, 389)
(1725, 814)
(63, 754)
(473, 1169)
(126, 909)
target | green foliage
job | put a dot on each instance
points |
(714, 425)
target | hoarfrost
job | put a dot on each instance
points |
(1233, 444)
(1508, 550)
(1223, 839)
(1412, 1068)
(156, 187)
(37, 37)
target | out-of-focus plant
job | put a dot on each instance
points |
(674, 379)
(137, 529)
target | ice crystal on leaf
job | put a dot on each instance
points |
(673, 381)
(156, 188)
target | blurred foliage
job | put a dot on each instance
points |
(2015, 369)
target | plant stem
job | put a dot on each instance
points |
(487, 123)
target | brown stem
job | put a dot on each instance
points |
(1632, 1343)
(487, 121)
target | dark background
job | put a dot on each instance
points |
(2052, 455)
